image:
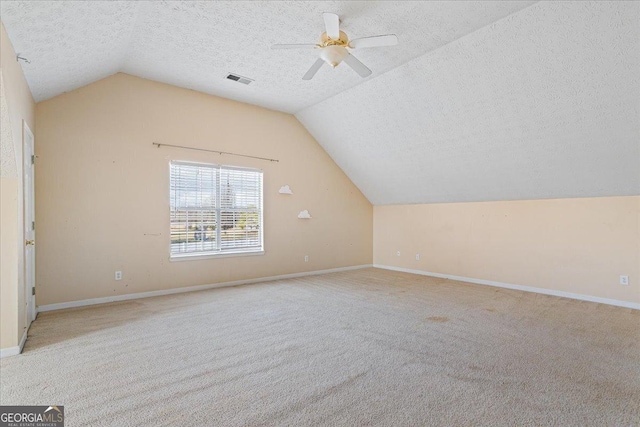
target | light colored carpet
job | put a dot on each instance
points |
(367, 347)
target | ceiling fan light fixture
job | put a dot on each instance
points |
(333, 55)
(333, 47)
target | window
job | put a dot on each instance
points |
(215, 210)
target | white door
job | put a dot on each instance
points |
(29, 224)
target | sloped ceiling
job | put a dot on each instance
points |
(195, 44)
(480, 101)
(541, 104)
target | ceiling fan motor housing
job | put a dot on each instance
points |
(325, 40)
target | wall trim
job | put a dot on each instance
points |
(9, 351)
(126, 297)
(24, 338)
(618, 303)
(13, 351)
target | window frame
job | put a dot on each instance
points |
(219, 252)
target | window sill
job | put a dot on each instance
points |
(206, 255)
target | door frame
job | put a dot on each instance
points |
(28, 193)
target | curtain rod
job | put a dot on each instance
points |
(214, 151)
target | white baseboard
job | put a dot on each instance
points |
(12, 351)
(544, 291)
(104, 300)
(9, 351)
(23, 339)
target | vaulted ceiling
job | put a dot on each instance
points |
(480, 100)
(542, 104)
(195, 44)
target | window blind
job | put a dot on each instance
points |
(215, 209)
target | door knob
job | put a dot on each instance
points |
(30, 242)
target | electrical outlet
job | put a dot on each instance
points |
(624, 280)
(306, 258)
(417, 257)
(398, 253)
(118, 275)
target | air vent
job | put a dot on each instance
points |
(240, 79)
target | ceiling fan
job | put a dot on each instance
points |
(334, 44)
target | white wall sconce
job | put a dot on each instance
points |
(304, 214)
(285, 190)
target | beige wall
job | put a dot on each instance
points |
(18, 105)
(580, 246)
(103, 198)
(9, 324)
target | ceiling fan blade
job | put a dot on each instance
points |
(294, 46)
(374, 41)
(357, 66)
(332, 25)
(313, 70)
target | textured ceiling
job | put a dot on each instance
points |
(195, 44)
(480, 101)
(544, 103)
